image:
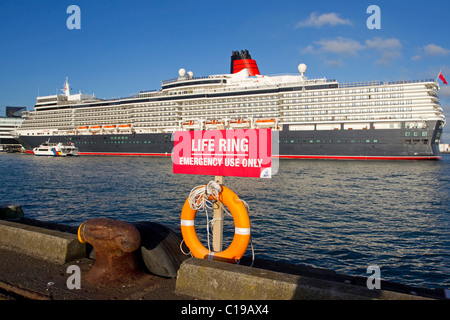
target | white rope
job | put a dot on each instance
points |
(199, 196)
(199, 201)
(182, 251)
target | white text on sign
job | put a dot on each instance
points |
(225, 145)
(241, 153)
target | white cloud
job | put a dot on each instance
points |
(317, 21)
(430, 50)
(333, 63)
(435, 50)
(309, 50)
(340, 45)
(387, 49)
(388, 57)
(381, 44)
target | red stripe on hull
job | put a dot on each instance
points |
(281, 157)
(362, 157)
(124, 154)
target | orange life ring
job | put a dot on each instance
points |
(241, 237)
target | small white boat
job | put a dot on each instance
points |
(59, 149)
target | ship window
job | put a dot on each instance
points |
(416, 134)
(424, 134)
(407, 134)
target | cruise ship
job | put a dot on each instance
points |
(315, 118)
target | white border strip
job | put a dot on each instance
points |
(187, 223)
(242, 231)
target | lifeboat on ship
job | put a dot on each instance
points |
(191, 124)
(214, 124)
(265, 123)
(109, 128)
(83, 129)
(95, 129)
(124, 127)
(239, 123)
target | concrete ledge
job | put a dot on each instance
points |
(57, 246)
(213, 280)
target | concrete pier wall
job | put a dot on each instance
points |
(213, 280)
(53, 245)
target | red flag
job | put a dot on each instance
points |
(441, 76)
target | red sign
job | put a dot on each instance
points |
(238, 153)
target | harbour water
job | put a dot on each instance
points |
(339, 215)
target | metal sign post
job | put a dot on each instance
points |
(218, 221)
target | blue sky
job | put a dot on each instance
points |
(124, 47)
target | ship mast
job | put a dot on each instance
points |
(66, 89)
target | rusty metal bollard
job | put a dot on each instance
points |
(114, 242)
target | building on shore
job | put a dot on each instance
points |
(7, 124)
(444, 148)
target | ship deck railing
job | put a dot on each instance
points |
(159, 93)
(381, 83)
(164, 82)
(307, 82)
